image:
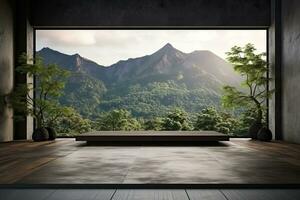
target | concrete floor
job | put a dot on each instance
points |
(66, 161)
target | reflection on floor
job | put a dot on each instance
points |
(66, 161)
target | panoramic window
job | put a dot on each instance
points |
(158, 80)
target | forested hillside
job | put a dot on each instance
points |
(148, 86)
(167, 90)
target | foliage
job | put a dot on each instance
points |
(162, 103)
(208, 119)
(71, 122)
(211, 119)
(253, 68)
(117, 120)
(154, 124)
(84, 93)
(155, 99)
(176, 120)
(246, 119)
(54, 113)
(50, 83)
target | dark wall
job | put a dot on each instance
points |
(93, 13)
(23, 39)
(274, 47)
(291, 70)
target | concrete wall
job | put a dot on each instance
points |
(6, 67)
(16, 37)
(291, 70)
(98, 13)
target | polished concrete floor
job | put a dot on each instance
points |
(66, 161)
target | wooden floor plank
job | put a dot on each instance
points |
(205, 194)
(82, 194)
(260, 194)
(123, 194)
(25, 194)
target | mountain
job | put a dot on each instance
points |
(169, 62)
(74, 63)
(84, 88)
(145, 85)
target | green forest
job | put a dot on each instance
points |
(176, 98)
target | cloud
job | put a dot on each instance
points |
(67, 37)
(109, 46)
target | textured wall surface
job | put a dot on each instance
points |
(291, 70)
(6, 67)
(150, 13)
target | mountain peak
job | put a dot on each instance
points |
(46, 49)
(167, 49)
(76, 55)
(168, 45)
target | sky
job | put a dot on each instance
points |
(107, 47)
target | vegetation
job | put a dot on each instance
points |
(50, 82)
(88, 104)
(176, 120)
(117, 120)
(71, 123)
(253, 68)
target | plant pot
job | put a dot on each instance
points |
(264, 134)
(51, 132)
(253, 130)
(40, 134)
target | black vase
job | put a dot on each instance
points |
(264, 134)
(253, 130)
(51, 132)
(40, 134)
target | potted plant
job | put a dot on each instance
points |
(253, 93)
(50, 80)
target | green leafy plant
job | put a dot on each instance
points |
(50, 80)
(252, 67)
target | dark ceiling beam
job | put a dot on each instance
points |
(149, 13)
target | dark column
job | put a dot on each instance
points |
(23, 43)
(275, 103)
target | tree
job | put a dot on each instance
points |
(55, 113)
(245, 120)
(176, 120)
(212, 120)
(50, 80)
(71, 122)
(253, 68)
(208, 119)
(154, 124)
(117, 120)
